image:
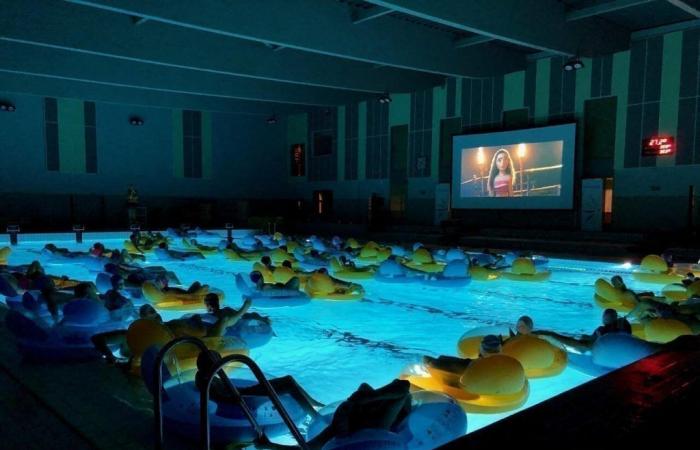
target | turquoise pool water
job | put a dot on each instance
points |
(331, 347)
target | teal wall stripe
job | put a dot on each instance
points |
(451, 96)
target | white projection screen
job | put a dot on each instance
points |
(521, 169)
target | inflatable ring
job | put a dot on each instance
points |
(235, 255)
(144, 333)
(469, 343)
(422, 260)
(539, 357)
(372, 253)
(4, 254)
(489, 385)
(678, 292)
(610, 352)
(176, 300)
(264, 271)
(351, 273)
(322, 286)
(203, 249)
(278, 256)
(480, 273)
(654, 269)
(273, 297)
(524, 269)
(661, 330)
(608, 296)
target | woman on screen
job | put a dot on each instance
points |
(501, 176)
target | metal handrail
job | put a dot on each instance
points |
(262, 380)
(158, 394)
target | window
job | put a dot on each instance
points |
(323, 144)
(51, 133)
(297, 160)
(607, 201)
(192, 143)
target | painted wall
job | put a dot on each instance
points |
(657, 89)
(240, 161)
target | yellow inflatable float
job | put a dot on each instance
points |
(266, 272)
(538, 356)
(489, 385)
(192, 244)
(678, 292)
(480, 273)
(661, 330)
(351, 273)
(422, 260)
(4, 254)
(278, 256)
(175, 299)
(239, 255)
(372, 253)
(608, 296)
(523, 269)
(352, 244)
(283, 274)
(144, 333)
(322, 286)
(654, 269)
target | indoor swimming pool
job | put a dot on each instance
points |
(330, 347)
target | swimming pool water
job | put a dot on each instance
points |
(332, 347)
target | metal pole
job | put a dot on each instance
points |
(13, 231)
(158, 383)
(78, 229)
(229, 232)
(204, 400)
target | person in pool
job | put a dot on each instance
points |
(490, 345)
(382, 408)
(612, 323)
(257, 278)
(619, 284)
(501, 175)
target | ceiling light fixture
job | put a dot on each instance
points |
(136, 121)
(7, 106)
(573, 64)
(385, 98)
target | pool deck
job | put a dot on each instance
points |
(82, 405)
(652, 400)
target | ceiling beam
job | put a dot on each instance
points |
(665, 29)
(326, 29)
(537, 24)
(472, 40)
(87, 68)
(138, 20)
(689, 6)
(83, 30)
(15, 83)
(360, 15)
(603, 8)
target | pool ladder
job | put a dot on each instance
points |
(204, 429)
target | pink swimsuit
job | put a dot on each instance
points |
(501, 185)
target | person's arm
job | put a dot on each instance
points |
(228, 320)
(582, 344)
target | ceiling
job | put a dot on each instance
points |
(259, 56)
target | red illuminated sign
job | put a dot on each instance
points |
(659, 146)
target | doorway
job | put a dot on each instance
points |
(323, 203)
